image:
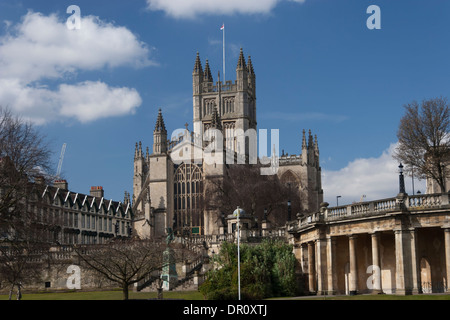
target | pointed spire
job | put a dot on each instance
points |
(140, 150)
(241, 62)
(198, 65)
(136, 151)
(160, 126)
(207, 73)
(310, 140)
(250, 66)
(304, 140)
(316, 145)
(304, 149)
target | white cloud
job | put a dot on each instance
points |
(192, 8)
(86, 101)
(89, 101)
(375, 178)
(41, 48)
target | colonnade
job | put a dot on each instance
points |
(389, 261)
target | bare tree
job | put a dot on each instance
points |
(424, 139)
(126, 262)
(244, 186)
(21, 263)
(24, 157)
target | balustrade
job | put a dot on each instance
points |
(377, 207)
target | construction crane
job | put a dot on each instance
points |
(61, 158)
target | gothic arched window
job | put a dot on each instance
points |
(188, 195)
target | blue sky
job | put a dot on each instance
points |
(317, 67)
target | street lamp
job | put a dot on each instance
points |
(401, 179)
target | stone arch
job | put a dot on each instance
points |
(288, 177)
(425, 275)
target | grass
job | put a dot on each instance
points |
(106, 295)
(195, 295)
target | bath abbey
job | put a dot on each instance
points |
(167, 191)
(397, 245)
(184, 186)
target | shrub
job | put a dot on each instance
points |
(267, 270)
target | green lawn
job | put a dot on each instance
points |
(106, 295)
(195, 295)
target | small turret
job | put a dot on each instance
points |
(310, 148)
(139, 168)
(160, 126)
(207, 77)
(316, 150)
(197, 75)
(160, 135)
(138, 151)
(241, 62)
(242, 73)
(304, 149)
(198, 66)
(251, 75)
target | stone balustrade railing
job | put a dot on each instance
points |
(400, 203)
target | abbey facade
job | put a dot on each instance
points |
(170, 179)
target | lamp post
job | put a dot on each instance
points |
(401, 179)
(237, 213)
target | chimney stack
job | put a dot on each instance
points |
(97, 192)
(61, 184)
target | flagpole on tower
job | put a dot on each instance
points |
(223, 30)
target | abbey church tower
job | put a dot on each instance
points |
(235, 102)
(169, 193)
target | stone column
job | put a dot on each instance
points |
(353, 283)
(311, 271)
(331, 265)
(376, 263)
(406, 271)
(399, 263)
(319, 266)
(415, 277)
(447, 256)
(302, 258)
